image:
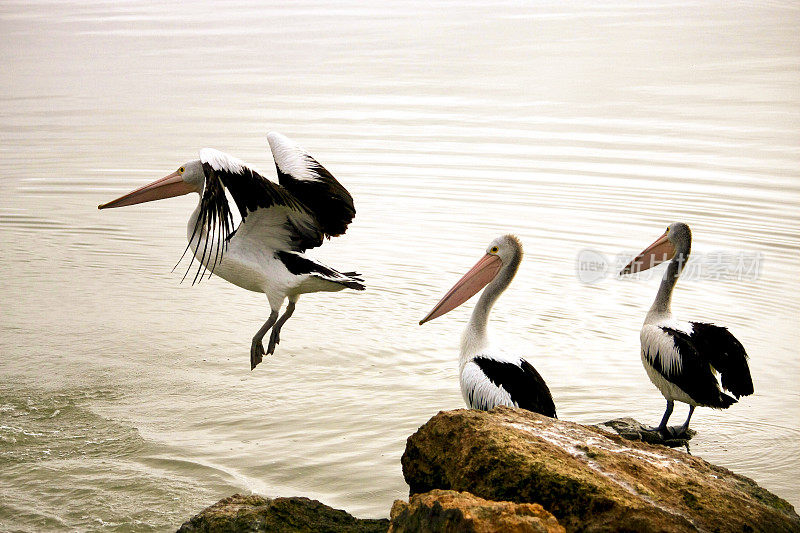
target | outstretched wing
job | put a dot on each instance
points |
(522, 382)
(312, 184)
(267, 208)
(294, 215)
(726, 354)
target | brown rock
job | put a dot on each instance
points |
(240, 513)
(447, 511)
(589, 479)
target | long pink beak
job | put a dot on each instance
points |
(166, 187)
(477, 278)
(655, 254)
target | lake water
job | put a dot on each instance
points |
(126, 398)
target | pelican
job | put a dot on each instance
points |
(489, 376)
(279, 221)
(681, 358)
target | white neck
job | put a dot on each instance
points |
(662, 305)
(475, 338)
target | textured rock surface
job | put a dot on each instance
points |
(240, 513)
(589, 479)
(443, 511)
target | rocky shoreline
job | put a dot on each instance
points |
(514, 470)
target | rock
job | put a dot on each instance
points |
(589, 479)
(634, 430)
(450, 511)
(240, 513)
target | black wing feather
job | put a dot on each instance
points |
(695, 377)
(523, 383)
(298, 264)
(313, 185)
(726, 354)
(330, 202)
(251, 191)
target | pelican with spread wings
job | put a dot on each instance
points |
(279, 221)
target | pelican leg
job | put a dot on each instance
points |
(275, 336)
(662, 427)
(685, 426)
(257, 349)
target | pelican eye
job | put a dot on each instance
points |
(181, 170)
(493, 250)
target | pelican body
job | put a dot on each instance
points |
(279, 221)
(490, 376)
(682, 358)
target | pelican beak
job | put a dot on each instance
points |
(166, 187)
(655, 254)
(477, 278)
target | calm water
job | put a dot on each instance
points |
(126, 399)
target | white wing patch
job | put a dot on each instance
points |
(290, 158)
(266, 228)
(221, 161)
(656, 343)
(479, 392)
(671, 323)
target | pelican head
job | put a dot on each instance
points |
(676, 240)
(505, 251)
(188, 178)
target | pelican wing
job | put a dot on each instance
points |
(313, 185)
(300, 265)
(726, 354)
(674, 355)
(268, 210)
(523, 383)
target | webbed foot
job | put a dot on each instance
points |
(274, 340)
(256, 353)
(671, 433)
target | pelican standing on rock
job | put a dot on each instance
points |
(278, 222)
(682, 358)
(489, 376)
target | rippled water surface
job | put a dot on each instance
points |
(126, 399)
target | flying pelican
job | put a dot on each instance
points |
(278, 222)
(491, 377)
(682, 358)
